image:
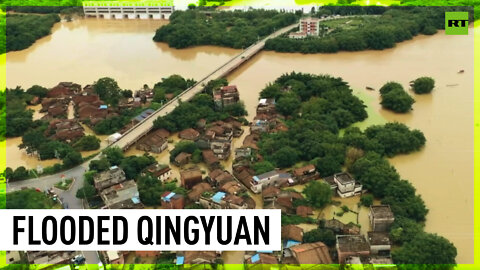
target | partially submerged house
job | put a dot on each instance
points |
(351, 246)
(305, 174)
(189, 134)
(381, 218)
(222, 200)
(291, 235)
(225, 96)
(161, 171)
(154, 142)
(309, 253)
(190, 177)
(197, 190)
(379, 243)
(172, 200)
(182, 159)
(346, 185)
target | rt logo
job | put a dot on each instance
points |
(456, 23)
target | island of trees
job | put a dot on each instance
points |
(395, 98)
(423, 85)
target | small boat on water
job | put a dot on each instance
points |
(461, 71)
(452, 85)
(369, 88)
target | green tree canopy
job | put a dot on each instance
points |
(318, 194)
(423, 85)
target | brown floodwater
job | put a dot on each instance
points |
(85, 50)
(442, 172)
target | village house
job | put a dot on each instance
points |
(236, 126)
(67, 130)
(243, 153)
(379, 243)
(244, 174)
(142, 116)
(222, 200)
(266, 106)
(339, 227)
(182, 159)
(145, 94)
(381, 218)
(283, 201)
(190, 177)
(308, 253)
(108, 178)
(305, 174)
(122, 196)
(161, 171)
(346, 185)
(197, 190)
(89, 99)
(261, 261)
(189, 134)
(232, 187)
(308, 27)
(304, 211)
(154, 142)
(171, 200)
(88, 90)
(225, 96)
(251, 141)
(270, 193)
(351, 246)
(273, 178)
(219, 177)
(64, 89)
(210, 159)
(291, 235)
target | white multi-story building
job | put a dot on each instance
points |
(128, 10)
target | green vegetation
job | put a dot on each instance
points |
(320, 235)
(88, 191)
(64, 185)
(327, 104)
(151, 190)
(183, 146)
(366, 200)
(3, 116)
(263, 167)
(174, 84)
(29, 199)
(423, 85)
(108, 90)
(318, 194)
(429, 248)
(395, 98)
(187, 114)
(294, 219)
(23, 30)
(87, 143)
(395, 24)
(235, 29)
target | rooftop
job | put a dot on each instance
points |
(344, 178)
(381, 211)
(352, 243)
(311, 253)
(378, 238)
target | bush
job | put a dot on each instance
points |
(395, 98)
(423, 85)
(366, 200)
(87, 143)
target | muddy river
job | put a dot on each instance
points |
(84, 50)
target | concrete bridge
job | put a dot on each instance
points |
(146, 125)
